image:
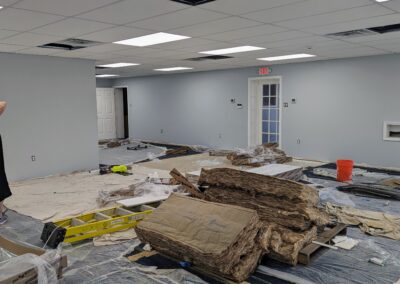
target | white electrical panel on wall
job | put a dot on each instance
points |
(391, 131)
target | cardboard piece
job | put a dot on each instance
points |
(27, 274)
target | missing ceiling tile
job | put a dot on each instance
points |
(70, 44)
(193, 2)
(211, 57)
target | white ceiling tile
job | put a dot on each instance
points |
(352, 25)
(337, 17)
(62, 7)
(39, 51)
(22, 20)
(346, 52)
(213, 27)
(115, 34)
(134, 51)
(109, 47)
(31, 39)
(237, 7)
(246, 32)
(72, 27)
(10, 47)
(394, 5)
(6, 33)
(128, 11)
(375, 37)
(383, 42)
(189, 43)
(181, 18)
(272, 37)
(304, 41)
(303, 9)
(5, 3)
(210, 46)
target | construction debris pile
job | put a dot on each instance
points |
(216, 237)
(256, 156)
(287, 209)
(235, 218)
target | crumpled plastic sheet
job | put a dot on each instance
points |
(331, 194)
(151, 189)
(142, 188)
(122, 156)
(208, 163)
(46, 273)
(88, 264)
(199, 148)
(350, 266)
(5, 255)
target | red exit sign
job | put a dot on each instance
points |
(264, 71)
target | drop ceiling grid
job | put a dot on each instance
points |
(282, 26)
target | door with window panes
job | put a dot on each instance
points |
(270, 112)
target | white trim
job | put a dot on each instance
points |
(251, 85)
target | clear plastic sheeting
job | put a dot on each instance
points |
(108, 264)
(209, 163)
(122, 156)
(350, 266)
(153, 190)
(199, 148)
(46, 273)
(5, 255)
(331, 194)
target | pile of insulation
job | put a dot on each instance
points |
(259, 156)
(218, 238)
(287, 209)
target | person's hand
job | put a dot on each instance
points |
(3, 106)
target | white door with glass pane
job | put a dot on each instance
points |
(270, 112)
(264, 113)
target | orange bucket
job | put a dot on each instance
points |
(344, 170)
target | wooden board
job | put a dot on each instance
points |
(325, 237)
(136, 201)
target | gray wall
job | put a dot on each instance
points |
(340, 109)
(51, 114)
(104, 83)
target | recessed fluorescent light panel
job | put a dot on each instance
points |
(173, 69)
(1, 7)
(106, 76)
(287, 57)
(152, 39)
(118, 65)
(381, 0)
(237, 49)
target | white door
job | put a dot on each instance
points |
(264, 111)
(106, 113)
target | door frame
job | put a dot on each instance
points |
(253, 92)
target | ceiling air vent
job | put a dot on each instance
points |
(211, 57)
(353, 33)
(386, 29)
(70, 44)
(367, 31)
(193, 2)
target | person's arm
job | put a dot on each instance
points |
(3, 106)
